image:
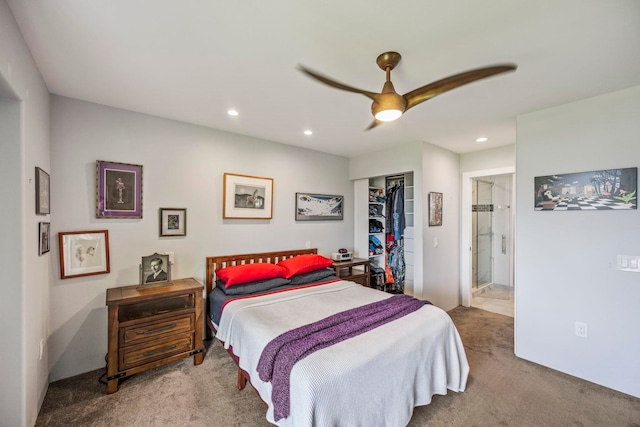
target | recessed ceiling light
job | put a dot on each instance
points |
(482, 139)
(308, 132)
(232, 112)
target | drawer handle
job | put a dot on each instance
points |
(153, 331)
(162, 350)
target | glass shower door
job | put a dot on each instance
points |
(482, 232)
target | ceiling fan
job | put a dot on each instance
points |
(389, 105)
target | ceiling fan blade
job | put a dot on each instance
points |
(336, 84)
(431, 90)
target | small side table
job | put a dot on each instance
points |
(357, 270)
(153, 326)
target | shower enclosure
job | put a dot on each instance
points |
(491, 223)
(482, 234)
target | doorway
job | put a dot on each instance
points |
(487, 243)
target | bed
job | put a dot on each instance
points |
(373, 378)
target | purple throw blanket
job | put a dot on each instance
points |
(279, 356)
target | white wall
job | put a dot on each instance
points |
(565, 265)
(441, 265)
(183, 167)
(493, 158)
(26, 277)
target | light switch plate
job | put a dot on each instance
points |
(629, 263)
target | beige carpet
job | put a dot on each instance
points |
(502, 391)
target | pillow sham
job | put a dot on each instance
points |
(245, 273)
(304, 264)
(312, 276)
(252, 287)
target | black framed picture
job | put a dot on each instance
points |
(43, 192)
(173, 222)
(44, 237)
(319, 207)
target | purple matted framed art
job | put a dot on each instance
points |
(118, 190)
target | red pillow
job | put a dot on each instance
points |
(245, 273)
(304, 264)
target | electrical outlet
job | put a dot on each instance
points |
(582, 330)
(41, 348)
(307, 245)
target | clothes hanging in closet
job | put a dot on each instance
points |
(395, 223)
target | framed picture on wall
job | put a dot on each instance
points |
(43, 192)
(317, 207)
(435, 209)
(118, 190)
(83, 253)
(173, 222)
(606, 189)
(44, 233)
(247, 197)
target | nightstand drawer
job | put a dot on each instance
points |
(140, 333)
(144, 353)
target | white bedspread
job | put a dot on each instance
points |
(373, 379)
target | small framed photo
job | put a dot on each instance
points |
(247, 197)
(435, 209)
(43, 192)
(44, 232)
(83, 253)
(173, 222)
(118, 190)
(155, 270)
(317, 207)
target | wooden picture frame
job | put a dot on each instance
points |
(43, 192)
(83, 253)
(319, 207)
(44, 237)
(155, 270)
(173, 222)
(118, 190)
(435, 209)
(247, 197)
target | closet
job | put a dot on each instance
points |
(384, 227)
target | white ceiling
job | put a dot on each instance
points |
(192, 60)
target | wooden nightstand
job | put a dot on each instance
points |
(149, 327)
(356, 270)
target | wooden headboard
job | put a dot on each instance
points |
(216, 262)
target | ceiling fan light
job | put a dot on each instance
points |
(388, 107)
(388, 115)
